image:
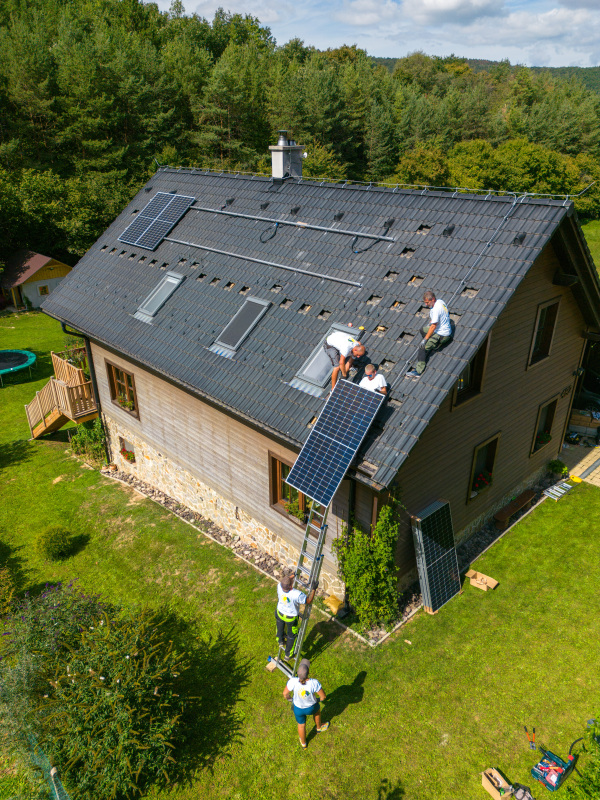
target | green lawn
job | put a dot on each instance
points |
(415, 721)
(592, 236)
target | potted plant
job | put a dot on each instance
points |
(293, 509)
(129, 455)
(125, 403)
(558, 468)
(481, 482)
(541, 439)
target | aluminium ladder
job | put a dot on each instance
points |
(307, 570)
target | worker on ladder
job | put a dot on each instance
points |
(288, 611)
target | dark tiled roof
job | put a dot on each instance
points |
(102, 293)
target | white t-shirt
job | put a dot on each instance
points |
(438, 316)
(290, 602)
(372, 384)
(342, 342)
(305, 694)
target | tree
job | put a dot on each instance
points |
(423, 166)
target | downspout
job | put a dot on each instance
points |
(90, 361)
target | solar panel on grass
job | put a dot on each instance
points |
(435, 550)
(155, 221)
(334, 441)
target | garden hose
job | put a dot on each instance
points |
(570, 752)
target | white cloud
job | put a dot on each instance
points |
(361, 13)
(453, 11)
(593, 4)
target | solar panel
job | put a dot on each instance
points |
(333, 441)
(155, 221)
(437, 562)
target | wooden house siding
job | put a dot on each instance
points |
(225, 454)
(53, 269)
(440, 464)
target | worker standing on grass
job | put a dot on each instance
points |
(342, 349)
(305, 694)
(437, 333)
(373, 380)
(287, 611)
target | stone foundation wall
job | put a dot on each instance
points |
(163, 474)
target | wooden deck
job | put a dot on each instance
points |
(68, 396)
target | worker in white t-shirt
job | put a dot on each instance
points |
(437, 333)
(305, 694)
(373, 380)
(342, 349)
(289, 601)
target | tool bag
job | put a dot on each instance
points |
(522, 792)
(552, 771)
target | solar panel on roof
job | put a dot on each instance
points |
(334, 441)
(155, 221)
(435, 550)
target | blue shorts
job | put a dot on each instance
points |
(302, 713)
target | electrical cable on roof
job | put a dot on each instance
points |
(386, 228)
(273, 232)
(262, 261)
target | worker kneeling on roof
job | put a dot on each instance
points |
(373, 380)
(437, 333)
(289, 601)
(342, 349)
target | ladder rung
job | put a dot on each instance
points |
(303, 569)
(303, 583)
(308, 557)
(315, 527)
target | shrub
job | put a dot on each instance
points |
(558, 467)
(587, 786)
(293, 509)
(54, 543)
(367, 566)
(90, 440)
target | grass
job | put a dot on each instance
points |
(592, 236)
(415, 721)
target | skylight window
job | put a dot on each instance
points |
(315, 373)
(158, 297)
(240, 327)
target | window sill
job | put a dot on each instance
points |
(533, 364)
(537, 450)
(281, 510)
(475, 493)
(131, 413)
(459, 402)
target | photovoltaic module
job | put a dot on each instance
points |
(334, 441)
(435, 550)
(156, 220)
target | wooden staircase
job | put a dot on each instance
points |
(66, 397)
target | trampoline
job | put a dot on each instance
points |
(15, 360)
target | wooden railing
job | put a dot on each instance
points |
(67, 371)
(58, 396)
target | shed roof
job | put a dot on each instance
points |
(21, 266)
(103, 292)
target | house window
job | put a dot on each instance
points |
(545, 325)
(122, 389)
(283, 496)
(43, 290)
(470, 381)
(543, 426)
(127, 450)
(482, 471)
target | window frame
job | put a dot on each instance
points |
(46, 293)
(154, 301)
(540, 309)
(277, 500)
(306, 384)
(130, 391)
(470, 394)
(480, 446)
(552, 401)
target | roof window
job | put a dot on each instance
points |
(315, 373)
(158, 297)
(240, 327)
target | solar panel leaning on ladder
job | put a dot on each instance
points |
(307, 571)
(318, 471)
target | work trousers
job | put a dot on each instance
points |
(287, 630)
(433, 343)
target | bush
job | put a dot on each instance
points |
(54, 543)
(587, 786)
(90, 440)
(99, 687)
(558, 467)
(368, 568)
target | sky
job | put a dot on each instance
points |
(550, 33)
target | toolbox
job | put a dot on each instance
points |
(552, 771)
